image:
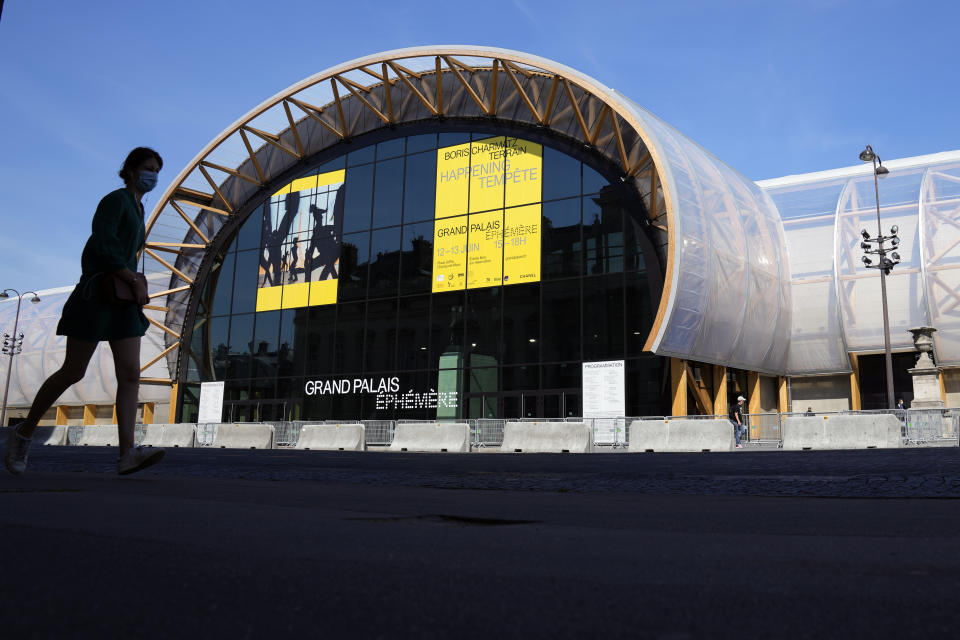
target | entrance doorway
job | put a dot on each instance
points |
(873, 379)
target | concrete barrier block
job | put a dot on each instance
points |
(547, 437)
(99, 435)
(169, 435)
(243, 436)
(680, 435)
(440, 437)
(864, 431)
(332, 437)
(51, 436)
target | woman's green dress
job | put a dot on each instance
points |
(117, 235)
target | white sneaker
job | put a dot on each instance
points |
(17, 449)
(137, 459)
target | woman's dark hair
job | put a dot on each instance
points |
(137, 157)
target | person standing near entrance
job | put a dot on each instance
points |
(89, 316)
(736, 418)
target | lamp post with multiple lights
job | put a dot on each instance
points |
(13, 343)
(875, 246)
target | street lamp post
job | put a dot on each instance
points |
(884, 264)
(12, 343)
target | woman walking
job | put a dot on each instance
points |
(93, 314)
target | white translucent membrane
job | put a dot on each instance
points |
(43, 353)
(729, 302)
(838, 301)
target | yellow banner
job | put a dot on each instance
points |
(450, 254)
(521, 245)
(484, 249)
(481, 178)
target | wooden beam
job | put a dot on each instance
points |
(387, 93)
(453, 61)
(336, 99)
(156, 308)
(293, 128)
(720, 406)
(113, 414)
(156, 381)
(551, 99)
(678, 387)
(173, 269)
(148, 409)
(753, 392)
(700, 396)
(182, 245)
(89, 414)
(494, 73)
(654, 204)
(190, 222)
(595, 131)
(272, 140)
(159, 357)
(783, 398)
(576, 109)
(232, 172)
(200, 198)
(855, 400)
(169, 291)
(509, 68)
(61, 415)
(164, 328)
(172, 414)
(314, 112)
(253, 156)
(438, 75)
(639, 165)
(466, 85)
(396, 69)
(367, 104)
(347, 82)
(197, 205)
(213, 184)
(624, 161)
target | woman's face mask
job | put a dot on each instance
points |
(147, 181)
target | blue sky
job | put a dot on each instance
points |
(770, 87)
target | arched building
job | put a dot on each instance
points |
(464, 232)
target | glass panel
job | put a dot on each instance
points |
(561, 239)
(354, 259)
(511, 407)
(561, 320)
(358, 198)
(420, 187)
(218, 338)
(381, 346)
(644, 378)
(385, 262)
(245, 282)
(241, 337)
(332, 165)
(413, 330)
(603, 324)
(561, 175)
(521, 378)
(639, 311)
(249, 235)
(603, 233)
(265, 337)
(416, 260)
(360, 156)
(291, 353)
(571, 405)
(593, 182)
(390, 148)
(423, 142)
(348, 345)
(456, 137)
(222, 278)
(521, 323)
(388, 193)
(446, 335)
(562, 376)
(483, 327)
(320, 339)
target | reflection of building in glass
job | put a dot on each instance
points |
(478, 223)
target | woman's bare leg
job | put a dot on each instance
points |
(70, 372)
(126, 364)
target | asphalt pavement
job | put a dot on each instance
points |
(246, 544)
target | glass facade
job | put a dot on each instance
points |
(439, 275)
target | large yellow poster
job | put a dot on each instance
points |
(300, 244)
(485, 179)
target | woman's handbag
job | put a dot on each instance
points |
(118, 292)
